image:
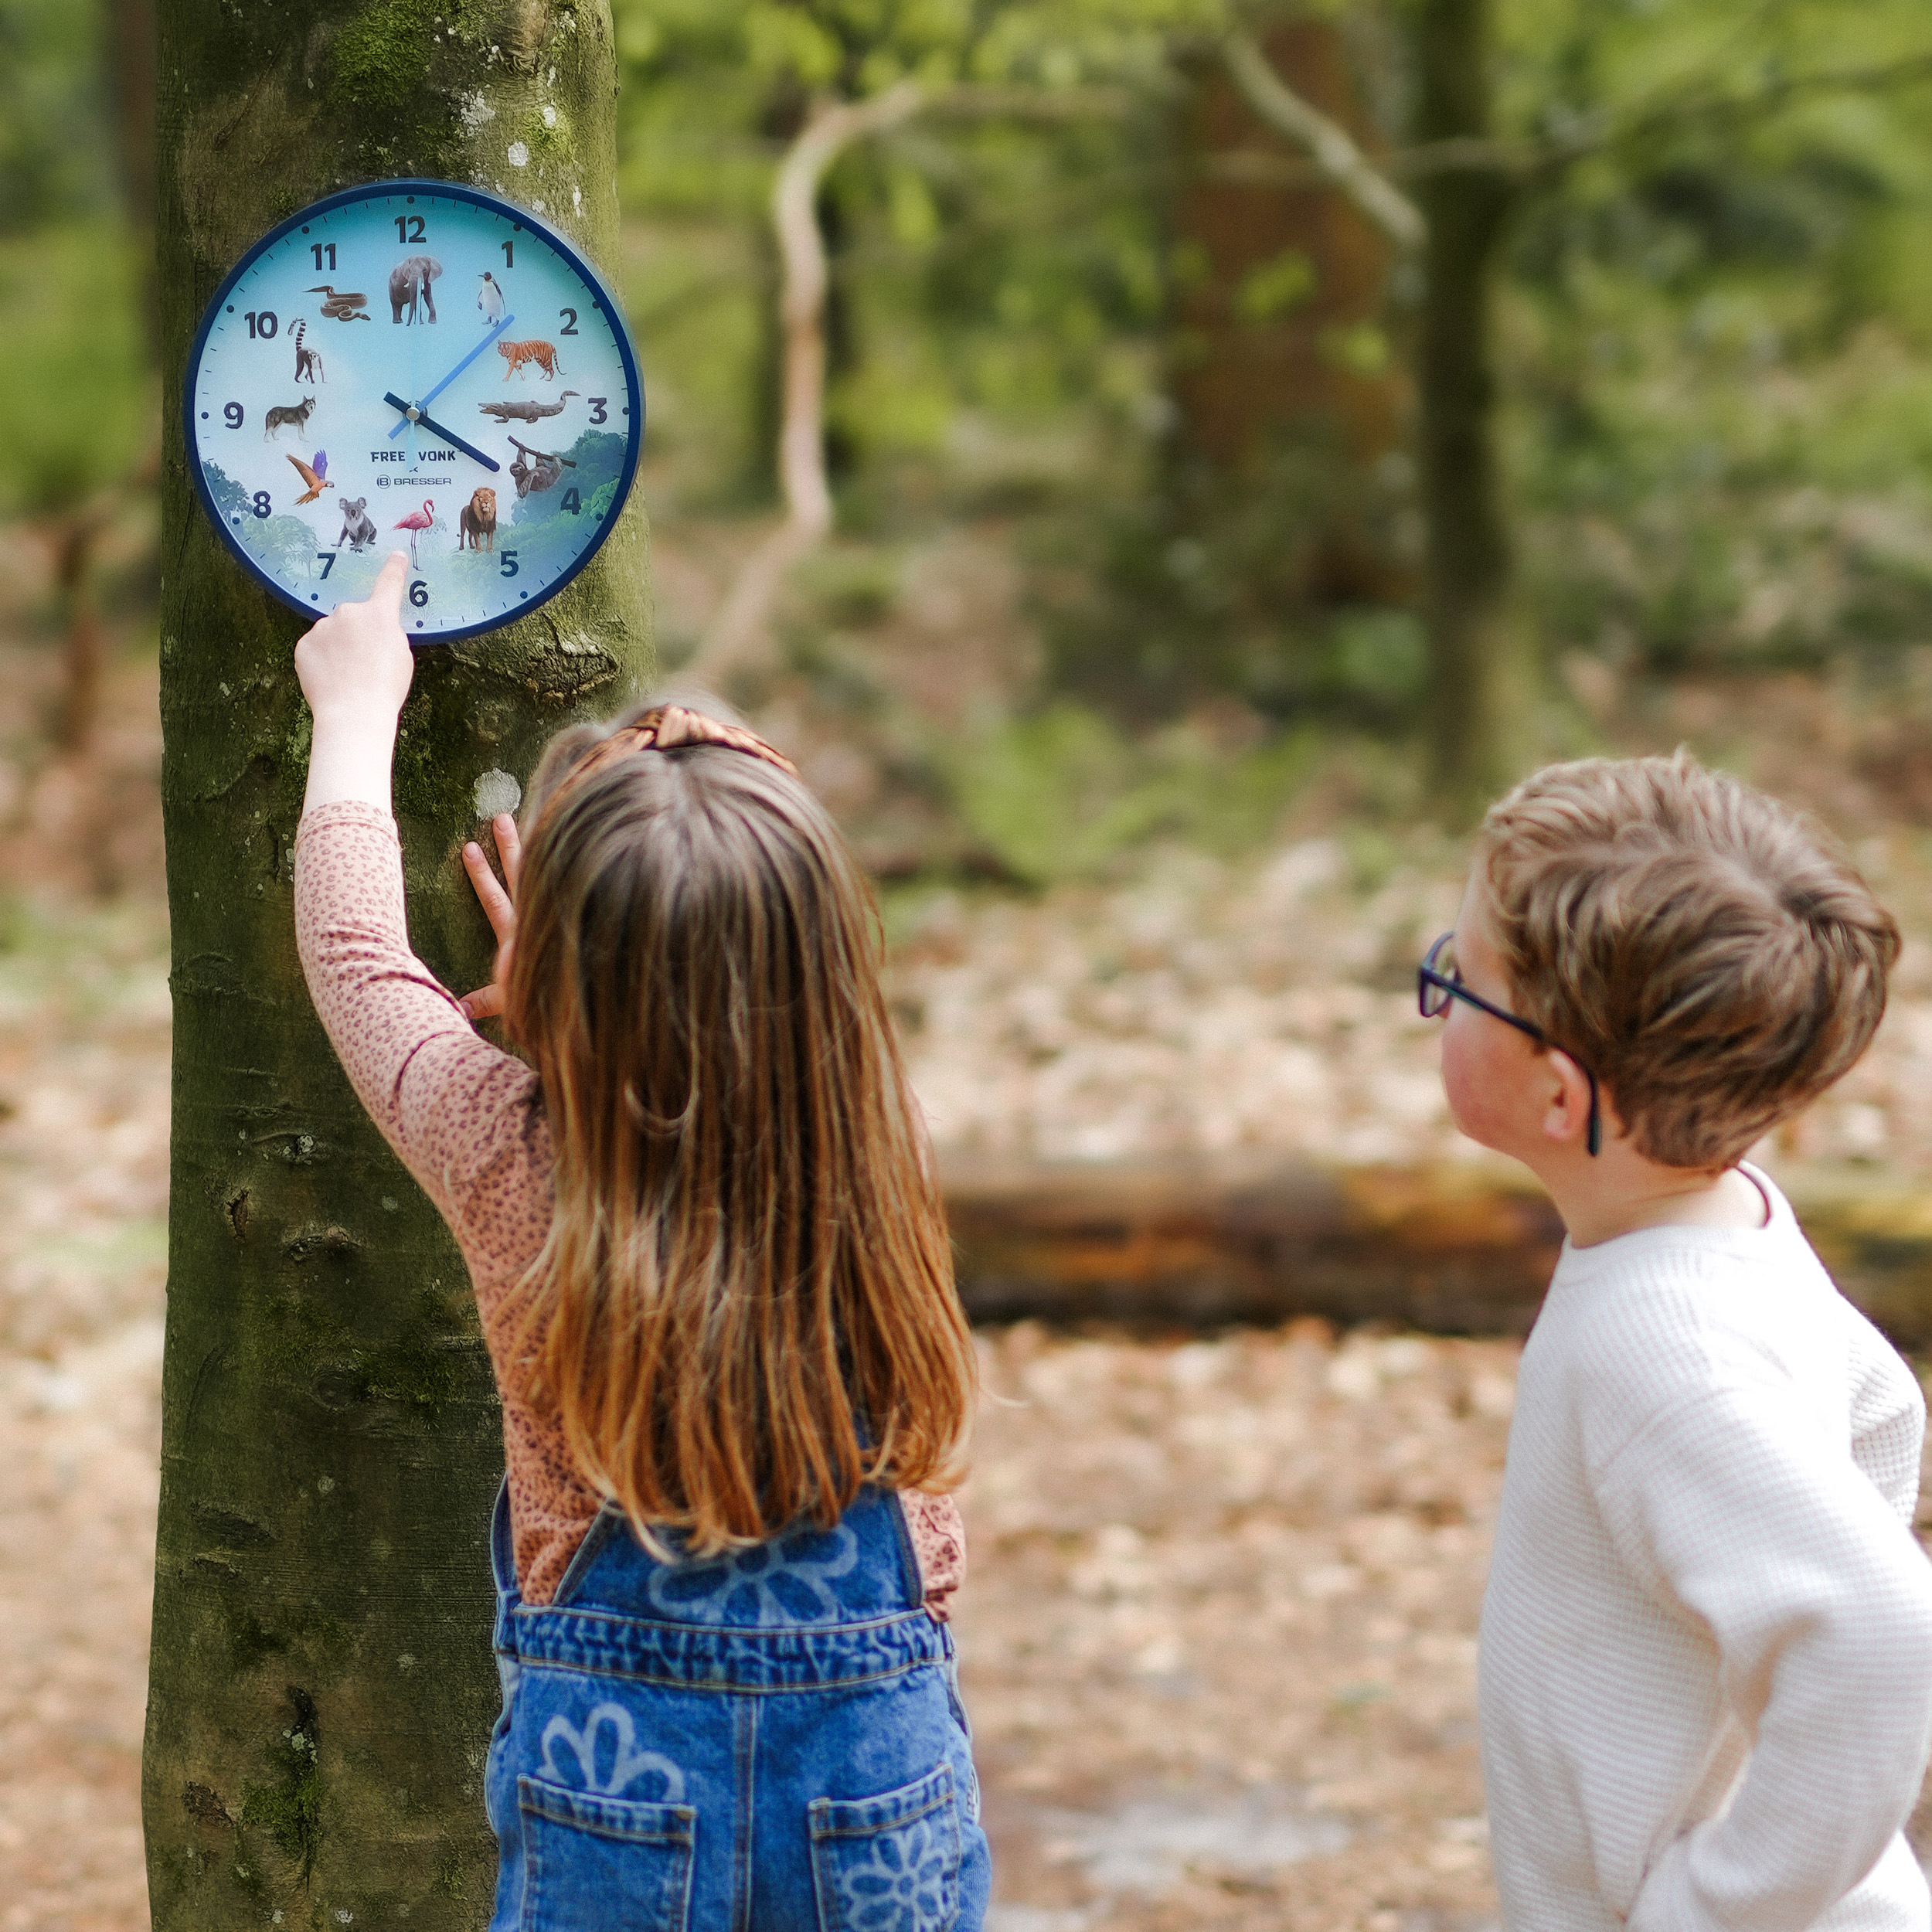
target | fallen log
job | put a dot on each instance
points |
(1444, 1249)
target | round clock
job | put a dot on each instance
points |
(413, 365)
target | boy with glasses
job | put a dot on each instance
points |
(1706, 1653)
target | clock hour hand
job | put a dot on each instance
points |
(489, 338)
(412, 414)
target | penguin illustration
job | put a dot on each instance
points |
(489, 298)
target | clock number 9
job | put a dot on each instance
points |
(262, 323)
(419, 593)
(508, 560)
(570, 327)
(262, 504)
(409, 228)
(232, 414)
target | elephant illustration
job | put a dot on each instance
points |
(410, 279)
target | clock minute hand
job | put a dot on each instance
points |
(488, 339)
(412, 414)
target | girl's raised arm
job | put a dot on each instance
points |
(355, 667)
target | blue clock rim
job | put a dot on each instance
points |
(481, 198)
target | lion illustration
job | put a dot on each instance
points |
(476, 522)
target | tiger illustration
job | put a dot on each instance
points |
(517, 354)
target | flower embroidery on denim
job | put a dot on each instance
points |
(627, 1761)
(898, 1883)
(768, 1585)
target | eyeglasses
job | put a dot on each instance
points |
(1438, 982)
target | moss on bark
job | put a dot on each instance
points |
(330, 1443)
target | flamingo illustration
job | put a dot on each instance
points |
(316, 478)
(417, 520)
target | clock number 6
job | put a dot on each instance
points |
(419, 593)
(509, 559)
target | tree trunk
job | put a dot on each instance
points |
(322, 1688)
(1481, 685)
(1279, 278)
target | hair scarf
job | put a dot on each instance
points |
(667, 727)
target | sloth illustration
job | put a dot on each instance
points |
(535, 471)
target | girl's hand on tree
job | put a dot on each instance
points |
(355, 667)
(500, 907)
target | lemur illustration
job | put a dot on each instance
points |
(309, 361)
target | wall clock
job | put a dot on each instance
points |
(418, 365)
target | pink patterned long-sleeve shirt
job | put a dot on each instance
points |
(462, 1117)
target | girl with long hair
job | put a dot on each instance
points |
(714, 1278)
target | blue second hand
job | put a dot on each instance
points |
(423, 401)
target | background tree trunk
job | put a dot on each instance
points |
(1482, 674)
(1279, 275)
(322, 1689)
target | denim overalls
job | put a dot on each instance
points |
(770, 1738)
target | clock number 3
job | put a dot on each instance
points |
(409, 228)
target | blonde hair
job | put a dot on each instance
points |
(1712, 958)
(745, 1308)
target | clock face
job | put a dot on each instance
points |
(419, 366)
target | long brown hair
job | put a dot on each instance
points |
(745, 1308)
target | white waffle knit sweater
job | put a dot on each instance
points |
(1707, 1657)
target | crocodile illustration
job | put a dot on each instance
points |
(523, 412)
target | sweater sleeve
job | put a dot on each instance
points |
(453, 1107)
(1743, 1514)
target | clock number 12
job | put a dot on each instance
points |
(409, 228)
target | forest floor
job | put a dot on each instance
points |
(1219, 1639)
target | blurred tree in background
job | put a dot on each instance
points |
(1086, 295)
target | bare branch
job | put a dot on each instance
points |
(1332, 147)
(830, 127)
(1527, 161)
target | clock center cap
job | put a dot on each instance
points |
(414, 414)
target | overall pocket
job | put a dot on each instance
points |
(591, 1862)
(890, 1863)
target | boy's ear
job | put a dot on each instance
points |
(1566, 1117)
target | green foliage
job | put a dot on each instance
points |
(55, 158)
(1061, 793)
(76, 413)
(1720, 408)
